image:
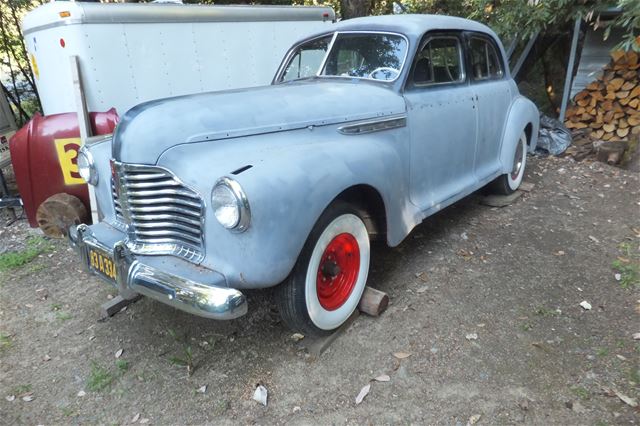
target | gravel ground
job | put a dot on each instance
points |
(514, 277)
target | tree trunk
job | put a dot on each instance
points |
(354, 8)
(30, 77)
(23, 115)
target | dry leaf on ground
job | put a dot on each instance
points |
(363, 393)
(401, 355)
(627, 400)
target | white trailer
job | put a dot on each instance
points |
(130, 53)
(105, 58)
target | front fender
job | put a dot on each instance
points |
(522, 113)
(293, 178)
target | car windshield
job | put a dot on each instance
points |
(353, 55)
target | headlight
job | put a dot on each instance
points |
(230, 205)
(86, 167)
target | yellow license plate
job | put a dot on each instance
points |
(102, 264)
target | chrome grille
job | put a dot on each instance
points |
(163, 216)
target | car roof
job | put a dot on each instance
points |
(411, 25)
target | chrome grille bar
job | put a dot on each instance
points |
(166, 201)
(163, 215)
(154, 218)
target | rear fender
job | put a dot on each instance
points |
(522, 113)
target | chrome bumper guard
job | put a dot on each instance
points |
(133, 276)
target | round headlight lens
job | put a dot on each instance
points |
(230, 205)
(225, 206)
(86, 167)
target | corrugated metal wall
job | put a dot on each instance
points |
(595, 55)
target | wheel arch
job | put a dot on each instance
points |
(369, 202)
(523, 116)
(527, 131)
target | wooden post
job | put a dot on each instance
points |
(83, 124)
(373, 302)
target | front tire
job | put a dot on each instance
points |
(508, 183)
(330, 275)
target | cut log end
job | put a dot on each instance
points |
(58, 212)
(373, 302)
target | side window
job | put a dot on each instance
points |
(307, 59)
(485, 64)
(439, 61)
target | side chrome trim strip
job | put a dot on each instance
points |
(376, 125)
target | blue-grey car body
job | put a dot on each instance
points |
(308, 141)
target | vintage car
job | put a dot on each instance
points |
(367, 128)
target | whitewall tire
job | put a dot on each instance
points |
(509, 182)
(328, 280)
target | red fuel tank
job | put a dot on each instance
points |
(44, 154)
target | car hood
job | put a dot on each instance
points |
(149, 129)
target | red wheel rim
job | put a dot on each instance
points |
(338, 271)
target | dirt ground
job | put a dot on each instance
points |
(513, 276)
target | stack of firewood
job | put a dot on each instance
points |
(608, 109)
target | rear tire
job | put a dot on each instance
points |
(508, 183)
(330, 275)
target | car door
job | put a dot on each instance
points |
(442, 119)
(492, 92)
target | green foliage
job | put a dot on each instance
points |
(630, 20)
(526, 17)
(220, 407)
(5, 342)
(546, 312)
(186, 360)
(580, 392)
(122, 365)
(628, 266)
(68, 411)
(99, 379)
(15, 259)
(21, 389)
(20, 85)
(63, 316)
(526, 327)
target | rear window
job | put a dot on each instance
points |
(485, 63)
(439, 62)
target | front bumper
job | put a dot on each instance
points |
(174, 282)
